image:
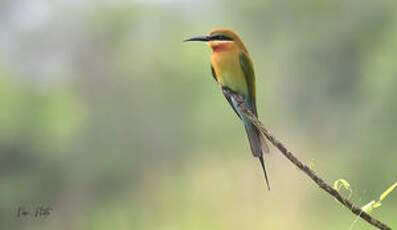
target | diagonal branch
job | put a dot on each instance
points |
(319, 181)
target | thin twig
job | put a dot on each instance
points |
(319, 181)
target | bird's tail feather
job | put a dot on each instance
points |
(258, 146)
(264, 172)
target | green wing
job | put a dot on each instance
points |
(227, 97)
(248, 70)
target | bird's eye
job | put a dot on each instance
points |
(221, 38)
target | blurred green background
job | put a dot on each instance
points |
(109, 119)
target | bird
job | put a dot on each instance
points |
(232, 68)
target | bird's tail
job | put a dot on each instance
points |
(258, 146)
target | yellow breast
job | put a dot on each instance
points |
(226, 63)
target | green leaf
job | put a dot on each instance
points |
(342, 183)
(387, 192)
(376, 204)
(369, 207)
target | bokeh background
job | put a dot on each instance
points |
(110, 120)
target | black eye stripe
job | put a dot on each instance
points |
(221, 38)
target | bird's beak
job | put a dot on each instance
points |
(198, 38)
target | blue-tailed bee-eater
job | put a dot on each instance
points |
(231, 67)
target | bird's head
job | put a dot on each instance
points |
(221, 39)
